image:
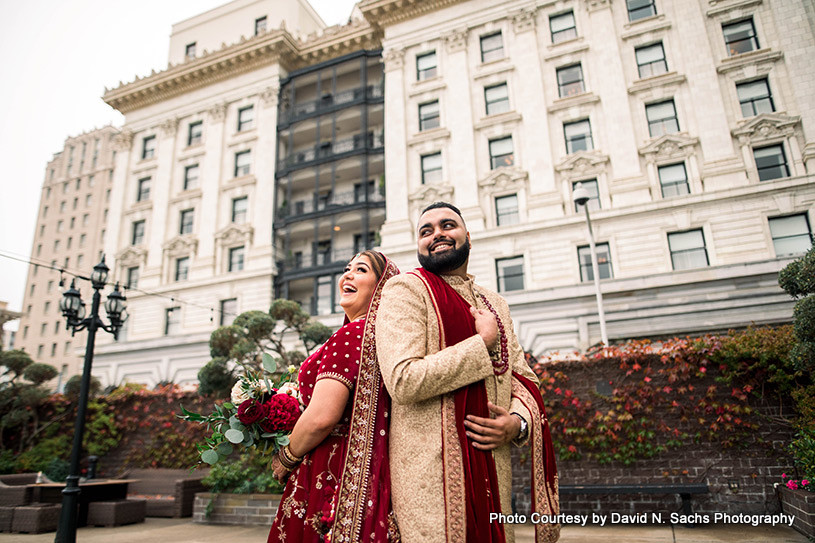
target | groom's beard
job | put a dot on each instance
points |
(441, 263)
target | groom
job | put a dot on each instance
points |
(462, 391)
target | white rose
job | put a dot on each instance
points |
(289, 388)
(238, 395)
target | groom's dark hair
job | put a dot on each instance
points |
(437, 205)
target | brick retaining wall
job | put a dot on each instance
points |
(243, 509)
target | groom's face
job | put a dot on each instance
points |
(444, 243)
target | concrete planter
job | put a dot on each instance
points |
(241, 509)
(800, 504)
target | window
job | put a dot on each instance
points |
(79, 261)
(651, 60)
(771, 162)
(578, 136)
(740, 37)
(260, 25)
(31, 290)
(429, 115)
(243, 160)
(236, 259)
(56, 327)
(137, 236)
(65, 188)
(661, 118)
(791, 235)
(132, 277)
(361, 244)
(182, 268)
(195, 133)
(364, 191)
(39, 249)
(506, 210)
(73, 222)
(148, 149)
(497, 99)
(510, 272)
(45, 212)
(69, 242)
(83, 238)
(431, 168)
(688, 249)
(239, 207)
(492, 47)
(67, 347)
(603, 262)
(56, 245)
(640, 9)
(62, 206)
(25, 332)
(501, 153)
(246, 117)
(189, 50)
(48, 189)
(185, 221)
(46, 308)
(143, 189)
(53, 349)
(592, 188)
(426, 67)
(50, 286)
(60, 226)
(229, 310)
(88, 200)
(42, 229)
(755, 97)
(76, 203)
(191, 177)
(562, 27)
(674, 180)
(325, 292)
(570, 80)
(85, 218)
(323, 252)
(40, 351)
(172, 320)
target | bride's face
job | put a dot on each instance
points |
(356, 286)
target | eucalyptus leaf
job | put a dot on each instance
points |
(268, 363)
(282, 441)
(224, 449)
(234, 436)
(210, 456)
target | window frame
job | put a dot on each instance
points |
(807, 234)
(148, 149)
(498, 103)
(137, 227)
(222, 310)
(427, 117)
(244, 211)
(195, 133)
(236, 259)
(190, 50)
(553, 33)
(143, 186)
(260, 25)
(246, 124)
(191, 182)
(649, 64)
(172, 325)
(784, 163)
(753, 100)
(132, 277)
(501, 278)
(425, 171)
(586, 271)
(186, 221)
(681, 252)
(586, 137)
(634, 16)
(423, 74)
(671, 184)
(659, 125)
(508, 158)
(493, 53)
(752, 38)
(239, 167)
(182, 269)
(505, 217)
(564, 88)
(592, 186)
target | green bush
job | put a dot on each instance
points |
(248, 473)
(57, 470)
(216, 379)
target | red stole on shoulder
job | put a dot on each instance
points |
(481, 480)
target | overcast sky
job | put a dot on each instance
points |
(57, 57)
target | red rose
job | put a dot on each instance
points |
(250, 411)
(282, 411)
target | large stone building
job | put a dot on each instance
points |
(692, 124)
(202, 153)
(255, 168)
(70, 230)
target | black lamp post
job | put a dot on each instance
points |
(73, 309)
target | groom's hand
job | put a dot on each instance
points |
(488, 434)
(486, 327)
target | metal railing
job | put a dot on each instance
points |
(371, 140)
(303, 207)
(328, 101)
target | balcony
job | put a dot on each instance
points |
(328, 150)
(332, 203)
(328, 102)
(301, 263)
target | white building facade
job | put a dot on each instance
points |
(690, 122)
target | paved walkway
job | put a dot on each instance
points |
(183, 531)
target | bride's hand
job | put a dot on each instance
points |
(280, 473)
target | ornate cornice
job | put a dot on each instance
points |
(235, 234)
(669, 146)
(765, 127)
(268, 96)
(456, 40)
(186, 244)
(504, 179)
(169, 127)
(217, 112)
(275, 46)
(394, 59)
(382, 13)
(427, 194)
(123, 141)
(132, 256)
(582, 164)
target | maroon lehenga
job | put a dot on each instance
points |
(341, 490)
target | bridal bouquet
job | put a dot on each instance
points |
(261, 414)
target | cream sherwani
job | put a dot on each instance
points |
(417, 375)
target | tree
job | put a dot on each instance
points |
(255, 333)
(798, 279)
(20, 397)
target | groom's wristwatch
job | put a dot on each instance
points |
(524, 428)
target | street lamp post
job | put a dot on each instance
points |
(581, 197)
(73, 309)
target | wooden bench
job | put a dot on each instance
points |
(685, 491)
